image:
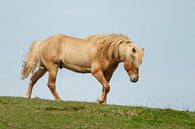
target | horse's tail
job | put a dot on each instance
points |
(31, 60)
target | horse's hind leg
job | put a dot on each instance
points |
(52, 79)
(34, 78)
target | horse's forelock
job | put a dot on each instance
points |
(134, 55)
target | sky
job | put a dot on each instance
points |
(165, 28)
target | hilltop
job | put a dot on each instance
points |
(21, 113)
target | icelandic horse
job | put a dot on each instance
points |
(96, 54)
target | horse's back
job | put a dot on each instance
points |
(73, 53)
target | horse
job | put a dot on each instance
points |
(98, 54)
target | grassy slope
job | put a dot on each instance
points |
(23, 113)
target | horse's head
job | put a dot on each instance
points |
(132, 63)
(132, 71)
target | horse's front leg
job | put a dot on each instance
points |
(106, 88)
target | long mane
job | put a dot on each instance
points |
(116, 47)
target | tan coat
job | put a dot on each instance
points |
(97, 54)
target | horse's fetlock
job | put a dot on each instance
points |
(107, 89)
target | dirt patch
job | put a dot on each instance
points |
(79, 108)
(56, 109)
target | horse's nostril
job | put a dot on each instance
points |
(133, 79)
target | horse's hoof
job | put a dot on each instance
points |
(58, 100)
(100, 102)
(104, 102)
(27, 97)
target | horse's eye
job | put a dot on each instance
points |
(134, 50)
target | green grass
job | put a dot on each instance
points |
(20, 113)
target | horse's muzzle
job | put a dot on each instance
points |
(133, 79)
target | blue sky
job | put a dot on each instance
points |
(165, 28)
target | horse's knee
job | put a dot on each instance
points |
(51, 86)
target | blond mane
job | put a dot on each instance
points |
(116, 47)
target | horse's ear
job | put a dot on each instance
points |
(134, 50)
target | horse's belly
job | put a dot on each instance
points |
(76, 67)
(76, 57)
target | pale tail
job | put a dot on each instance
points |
(31, 60)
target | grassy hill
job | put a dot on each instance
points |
(20, 113)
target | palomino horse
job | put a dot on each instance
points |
(97, 54)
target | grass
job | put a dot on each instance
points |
(20, 113)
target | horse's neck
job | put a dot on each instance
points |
(116, 61)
